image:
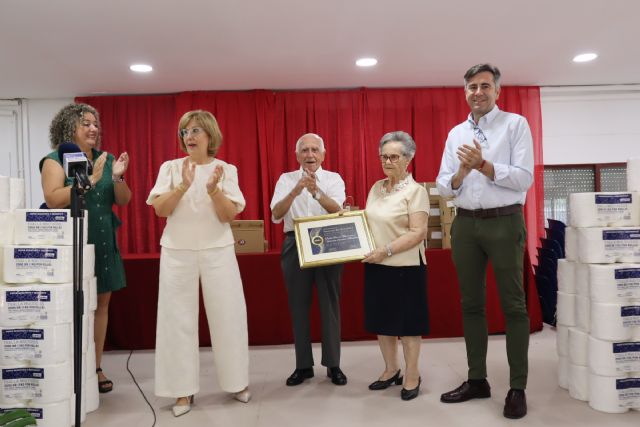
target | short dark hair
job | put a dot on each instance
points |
(480, 68)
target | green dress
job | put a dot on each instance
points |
(102, 226)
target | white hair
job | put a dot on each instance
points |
(316, 136)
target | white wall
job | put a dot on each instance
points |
(590, 124)
(596, 124)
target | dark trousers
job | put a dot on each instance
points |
(299, 284)
(501, 240)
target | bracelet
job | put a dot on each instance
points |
(214, 191)
(482, 164)
(117, 180)
(388, 248)
(182, 188)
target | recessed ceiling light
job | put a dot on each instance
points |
(141, 68)
(585, 57)
(366, 62)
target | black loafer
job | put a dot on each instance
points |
(337, 376)
(467, 391)
(515, 405)
(410, 394)
(299, 375)
(382, 384)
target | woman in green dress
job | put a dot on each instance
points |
(80, 124)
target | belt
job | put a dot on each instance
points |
(290, 233)
(490, 213)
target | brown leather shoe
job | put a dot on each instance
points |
(515, 405)
(467, 391)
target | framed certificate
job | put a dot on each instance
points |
(332, 239)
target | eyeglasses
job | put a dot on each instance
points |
(478, 133)
(393, 158)
(193, 131)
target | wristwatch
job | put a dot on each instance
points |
(388, 247)
(318, 195)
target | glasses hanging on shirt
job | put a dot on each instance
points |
(478, 133)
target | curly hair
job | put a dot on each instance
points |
(63, 125)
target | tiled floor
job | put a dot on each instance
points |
(319, 403)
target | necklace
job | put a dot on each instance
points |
(397, 187)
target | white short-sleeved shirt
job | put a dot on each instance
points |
(194, 223)
(330, 183)
(388, 218)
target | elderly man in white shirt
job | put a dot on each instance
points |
(310, 191)
(488, 166)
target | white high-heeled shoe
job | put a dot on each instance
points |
(179, 410)
(243, 396)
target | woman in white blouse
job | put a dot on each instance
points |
(199, 196)
(395, 295)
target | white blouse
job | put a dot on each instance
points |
(194, 223)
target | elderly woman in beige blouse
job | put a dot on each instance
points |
(395, 296)
(199, 195)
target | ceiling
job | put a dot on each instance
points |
(65, 48)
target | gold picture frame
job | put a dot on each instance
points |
(333, 238)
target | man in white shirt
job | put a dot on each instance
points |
(487, 165)
(310, 191)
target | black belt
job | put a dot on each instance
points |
(290, 233)
(490, 213)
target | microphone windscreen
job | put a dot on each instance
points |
(67, 147)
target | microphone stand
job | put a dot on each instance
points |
(77, 213)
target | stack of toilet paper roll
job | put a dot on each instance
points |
(36, 317)
(11, 193)
(598, 312)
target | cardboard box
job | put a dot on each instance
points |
(446, 236)
(248, 236)
(434, 194)
(447, 210)
(434, 217)
(434, 238)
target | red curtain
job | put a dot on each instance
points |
(261, 127)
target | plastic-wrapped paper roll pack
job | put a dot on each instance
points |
(578, 382)
(46, 264)
(36, 345)
(16, 193)
(614, 322)
(571, 244)
(633, 174)
(614, 394)
(562, 340)
(604, 209)
(6, 229)
(5, 203)
(608, 245)
(92, 397)
(614, 283)
(45, 227)
(582, 279)
(566, 276)
(43, 384)
(23, 305)
(578, 342)
(563, 372)
(613, 358)
(566, 309)
(46, 414)
(93, 294)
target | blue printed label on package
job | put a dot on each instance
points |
(612, 199)
(19, 296)
(626, 383)
(626, 347)
(22, 334)
(46, 217)
(632, 234)
(627, 273)
(35, 253)
(630, 310)
(22, 373)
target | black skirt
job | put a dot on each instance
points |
(395, 300)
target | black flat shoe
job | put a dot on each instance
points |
(299, 375)
(411, 394)
(337, 376)
(382, 384)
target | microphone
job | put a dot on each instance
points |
(75, 164)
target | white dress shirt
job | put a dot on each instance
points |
(508, 146)
(330, 183)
